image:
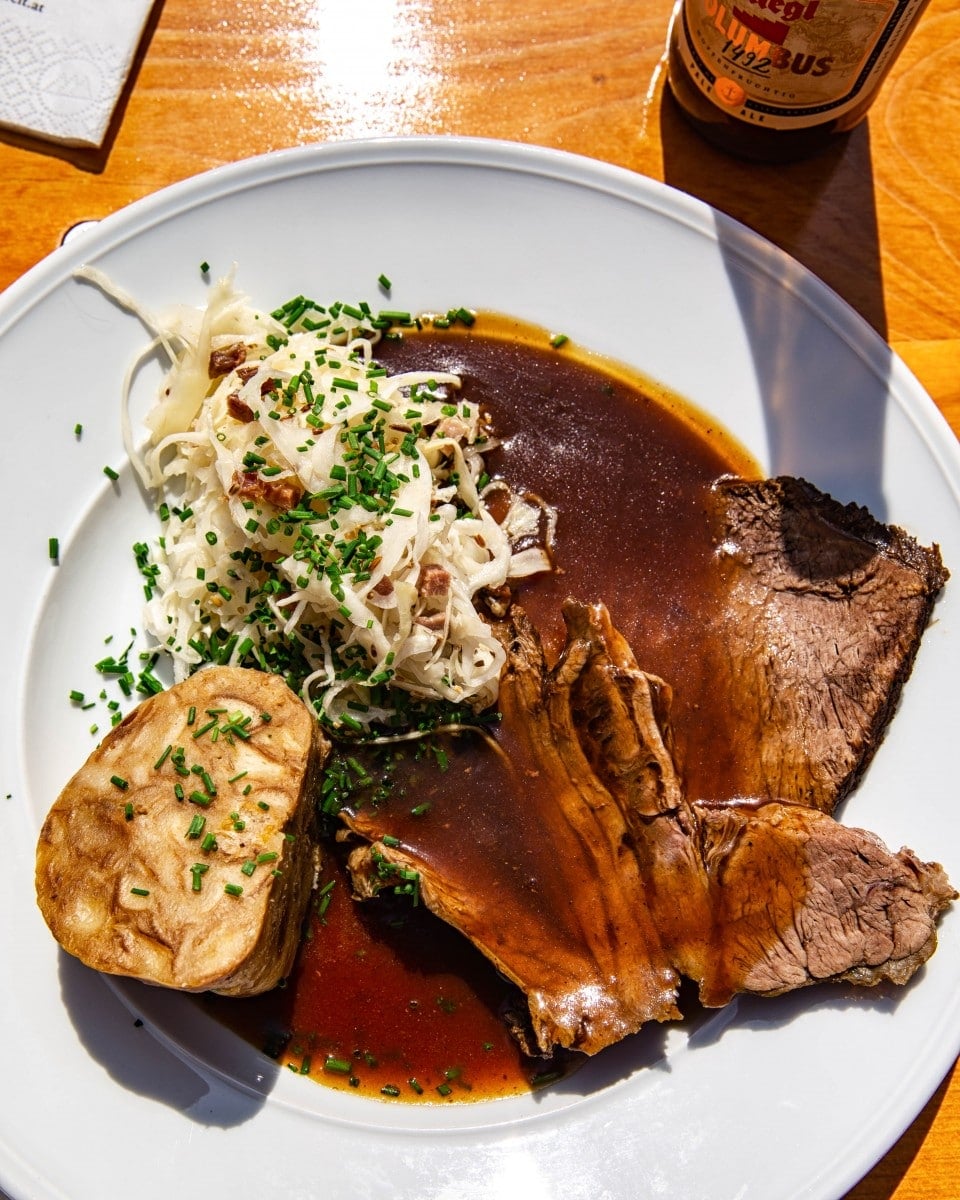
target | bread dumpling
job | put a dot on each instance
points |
(182, 852)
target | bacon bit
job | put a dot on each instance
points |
(239, 409)
(269, 385)
(433, 621)
(453, 427)
(281, 493)
(383, 587)
(434, 580)
(222, 362)
(246, 373)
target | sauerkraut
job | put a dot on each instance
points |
(322, 519)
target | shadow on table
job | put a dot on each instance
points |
(92, 158)
(887, 1175)
(824, 416)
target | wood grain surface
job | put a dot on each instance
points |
(877, 216)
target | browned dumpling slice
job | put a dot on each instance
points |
(182, 852)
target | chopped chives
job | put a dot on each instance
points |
(53, 549)
(338, 1066)
(195, 828)
(119, 782)
(233, 889)
(139, 891)
(111, 473)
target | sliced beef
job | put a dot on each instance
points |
(824, 609)
(571, 857)
(525, 854)
(750, 897)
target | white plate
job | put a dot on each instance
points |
(775, 1099)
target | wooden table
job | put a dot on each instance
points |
(877, 217)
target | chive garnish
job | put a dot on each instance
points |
(195, 828)
(338, 1066)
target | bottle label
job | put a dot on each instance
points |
(790, 64)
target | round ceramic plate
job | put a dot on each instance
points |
(111, 1088)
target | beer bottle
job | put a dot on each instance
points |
(774, 80)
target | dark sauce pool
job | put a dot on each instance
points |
(385, 999)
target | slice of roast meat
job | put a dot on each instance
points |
(750, 897)
(524, 852)
(823, 615)
(570, 856)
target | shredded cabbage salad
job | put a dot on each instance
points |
(322, 519)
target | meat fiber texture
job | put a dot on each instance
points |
(638, 886)
(182, 852)
(824, 614)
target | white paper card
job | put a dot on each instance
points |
(63, 64)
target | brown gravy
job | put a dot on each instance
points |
(386, 1000)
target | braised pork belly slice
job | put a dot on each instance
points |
(572, 859)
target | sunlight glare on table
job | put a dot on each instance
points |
(370, 66)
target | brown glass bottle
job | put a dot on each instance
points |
(777, 80)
